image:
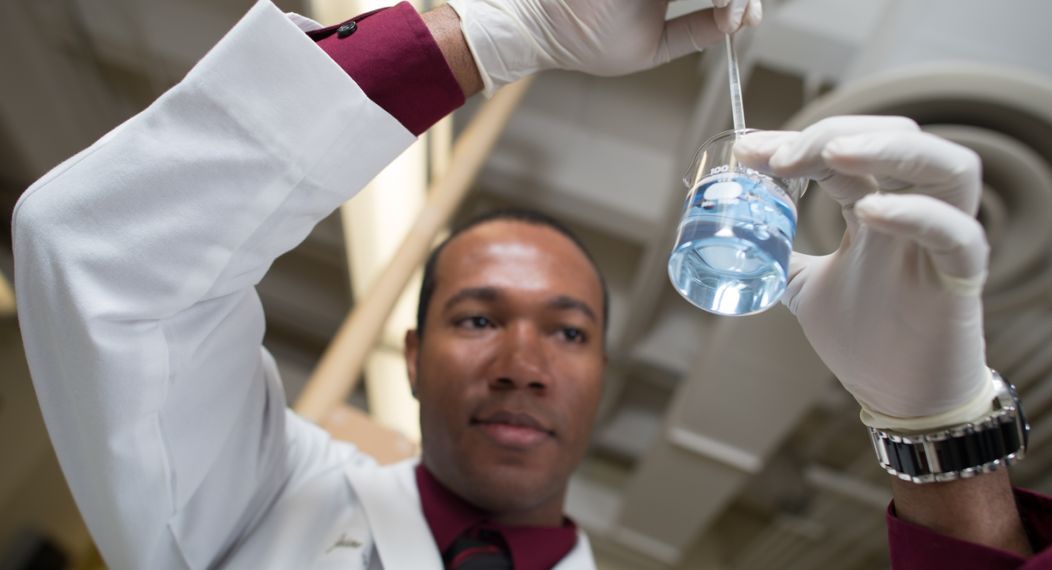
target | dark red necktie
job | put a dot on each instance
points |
(478, 550)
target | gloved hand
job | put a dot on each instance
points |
(895, 312)
(510, 39)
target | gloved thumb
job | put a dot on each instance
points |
(954, 241)
(731, 16)
(689, 33)
(799, 270)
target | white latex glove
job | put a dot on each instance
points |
(510, 39)
(895, 312)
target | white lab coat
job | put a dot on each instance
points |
(136, 265)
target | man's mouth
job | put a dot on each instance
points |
(513, 429)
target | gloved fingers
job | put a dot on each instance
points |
(695, 31)
(804, 155)
(730, 15)
(798, 272)
(757, 150)
(901, 160)
(690, 33)
(754, 14)
(953, 240)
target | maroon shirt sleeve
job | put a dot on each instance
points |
(914, 546)
(393, 57)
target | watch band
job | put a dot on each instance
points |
(961, 451)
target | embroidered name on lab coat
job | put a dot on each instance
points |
(344, 542)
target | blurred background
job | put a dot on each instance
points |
(722, 443)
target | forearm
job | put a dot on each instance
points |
(980, 509)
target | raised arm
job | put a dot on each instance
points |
(136, 261)
(896, 314)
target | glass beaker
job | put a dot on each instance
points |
(732, 248)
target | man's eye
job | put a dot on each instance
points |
(573, 334)
(475, 322)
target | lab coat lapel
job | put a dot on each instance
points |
(391, 501)
(580, 558)
(392, 505)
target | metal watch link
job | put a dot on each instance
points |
(961, 451)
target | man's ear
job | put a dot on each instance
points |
(412, 351)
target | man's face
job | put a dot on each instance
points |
(509, 368)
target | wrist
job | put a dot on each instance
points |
(960, 451)
(979, 510)
(500, 47)
(445, 26)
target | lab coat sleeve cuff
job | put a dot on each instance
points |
(394, 58)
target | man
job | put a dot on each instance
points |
(514, 299)
(137, 260)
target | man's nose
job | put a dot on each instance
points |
(521, 362)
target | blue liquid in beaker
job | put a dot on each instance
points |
(732, 251)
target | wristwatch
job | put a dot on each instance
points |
(961, 451)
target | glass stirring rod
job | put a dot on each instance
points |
(737, 109)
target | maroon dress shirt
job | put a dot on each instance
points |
(394, 59)
(914, 546)
(449, 516)
(392, 56)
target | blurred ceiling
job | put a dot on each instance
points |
(723, 443)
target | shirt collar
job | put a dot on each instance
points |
(448, 516)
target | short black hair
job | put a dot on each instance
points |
(526, 216)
